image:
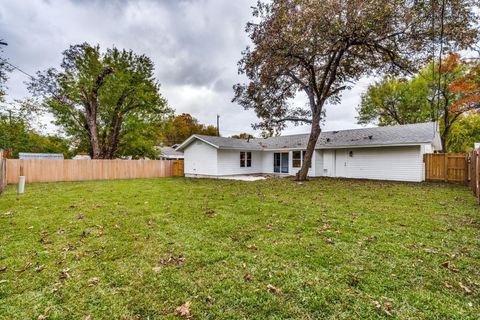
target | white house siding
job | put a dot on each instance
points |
(293, 171)
(329, 163)
(319, 163)
(200, 159)
(267, 162)
(386, 163)
(229, 162)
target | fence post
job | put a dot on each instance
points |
(3, 172)
(477, 173)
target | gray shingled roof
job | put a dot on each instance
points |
(378, 136)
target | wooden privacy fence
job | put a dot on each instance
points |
(474, 172)
(455, 167)
(448, 167)
(3, 172)
(42, 170)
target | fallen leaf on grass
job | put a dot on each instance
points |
(209, 300)
(39, 269)
(273, 289)
(173, 260)
(3, 269)
(210, 213)
(80, 216)
(465, 288)
(449, 266)
(8, 213)
(448, 285)
(184, 310)
(93, 282)
(87, 318)
(247, 277)
(27, 266)
(3, 281)
(252, 246)
(42, 317)
(64, 274)
(330, 241)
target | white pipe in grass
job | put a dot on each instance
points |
(21, 184)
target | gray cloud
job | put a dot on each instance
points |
(195, 45)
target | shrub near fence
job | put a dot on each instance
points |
(42, 170)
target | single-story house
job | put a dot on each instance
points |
(383, 153)
(170, 153)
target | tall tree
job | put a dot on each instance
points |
(243, 135)
(5, 68)
(394, 101)
(439, 92)
(95, 96)
(322, 47)
(464, 133)
(182, 126)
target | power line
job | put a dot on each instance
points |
(18, 68)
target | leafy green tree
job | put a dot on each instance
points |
(182, 126)
(243, 135)
(441, 92)
(4, 70)
(321, 47)
(465, 132)
(396, 101)
(104, 98)
(17, 136)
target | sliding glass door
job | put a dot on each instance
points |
(280, 162)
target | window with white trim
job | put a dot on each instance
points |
(245, 159)
(297, 159)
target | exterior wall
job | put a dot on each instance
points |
(229, 162)
(267, 166)
(293, 171)
(319, 163)
(200, 159)
(386, 163)
(329, 163)
(267, 162)
(402, 163)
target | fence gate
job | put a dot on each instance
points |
(448, 167)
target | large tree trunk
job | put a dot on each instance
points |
(312, 141)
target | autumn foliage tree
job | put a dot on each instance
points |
(320, 48)
(443, 91)
(178, 128)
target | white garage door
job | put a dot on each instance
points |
(389, 163)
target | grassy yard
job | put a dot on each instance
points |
(269, 249)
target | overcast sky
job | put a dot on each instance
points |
(195, 45)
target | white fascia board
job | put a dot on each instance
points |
(190, 140)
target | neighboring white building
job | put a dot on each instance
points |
(383, 153)
(170, 153)
(49, 156)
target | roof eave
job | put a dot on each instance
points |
(187, 142)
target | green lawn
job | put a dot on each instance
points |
(328, 248)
